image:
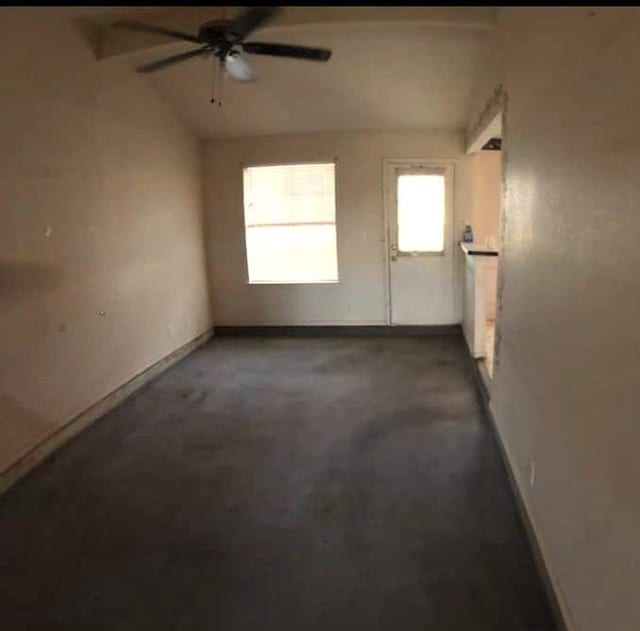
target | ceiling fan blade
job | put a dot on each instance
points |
(144, 28)
(285, 50)
(248, 21)
(174, 59)
(237, 68)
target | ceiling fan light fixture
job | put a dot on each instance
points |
(237, 68)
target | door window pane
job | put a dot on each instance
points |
(421, 212)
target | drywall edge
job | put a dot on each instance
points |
(18, 469)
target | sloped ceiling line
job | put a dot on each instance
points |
(116, 42)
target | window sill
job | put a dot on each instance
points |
(293, 282)
(417, 255)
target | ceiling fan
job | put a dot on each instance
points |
(223, 39)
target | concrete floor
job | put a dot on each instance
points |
(313, 484)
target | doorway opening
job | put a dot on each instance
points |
(489, 221)
(486, 222)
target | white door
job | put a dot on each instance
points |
(420, 243)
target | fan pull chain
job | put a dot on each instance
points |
(220, 84)
(213, 80)
(216, 87)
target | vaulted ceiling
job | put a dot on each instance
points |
(391, 68)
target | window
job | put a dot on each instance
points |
(421, 211)
(290, 223)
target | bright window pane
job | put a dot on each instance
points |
(290, 227)
(421, 213)
(292, 253)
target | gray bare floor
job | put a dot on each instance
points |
(276, 484)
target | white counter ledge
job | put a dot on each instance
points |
(475, 249)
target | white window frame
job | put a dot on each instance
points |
(247, 165)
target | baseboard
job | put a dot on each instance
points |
(481, 375)
(27, 462)
(339, 330)
(485, 377)
(534, 544)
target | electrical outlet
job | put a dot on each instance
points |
(532, 473)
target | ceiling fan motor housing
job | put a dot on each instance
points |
(216, 35)
(213, 32)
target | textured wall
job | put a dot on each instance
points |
(101, 261)
(566, 393)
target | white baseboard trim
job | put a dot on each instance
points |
(28, 461)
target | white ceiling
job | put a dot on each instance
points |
(381, 76)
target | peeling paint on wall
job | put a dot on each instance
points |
(503, 223)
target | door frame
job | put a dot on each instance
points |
(388, 165)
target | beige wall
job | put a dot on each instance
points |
(486, 187)
(566, 392)
(360, 297)
(484, 214)
(101, 212)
